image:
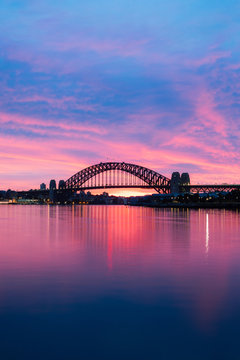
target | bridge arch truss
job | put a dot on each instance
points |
(150, 178)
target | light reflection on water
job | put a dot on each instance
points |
(144, 279)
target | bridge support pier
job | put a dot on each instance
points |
(175, 182)
(178, 182)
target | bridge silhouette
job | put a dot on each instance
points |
(113, 175)
(125, 175)
(117, 175)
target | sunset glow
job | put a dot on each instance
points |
(84, 82)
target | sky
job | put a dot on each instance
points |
(154, 83)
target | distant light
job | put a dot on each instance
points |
(207, 234)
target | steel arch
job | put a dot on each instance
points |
(153, 179)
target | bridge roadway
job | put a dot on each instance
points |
(209, 188)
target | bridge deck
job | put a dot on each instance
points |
(211, 188)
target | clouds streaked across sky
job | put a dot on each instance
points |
(150, 82)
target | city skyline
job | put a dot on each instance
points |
(154, 84)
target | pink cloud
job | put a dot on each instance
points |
(210, 58)
(48, 160)
(125, 48)
(51, 60)
(62, 103)
(68, 145)
(5, 118)
(208, 116)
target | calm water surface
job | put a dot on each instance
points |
(116, 282)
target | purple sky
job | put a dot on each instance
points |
(154, 83)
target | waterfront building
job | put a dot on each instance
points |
(43, 186)
(61, 184)
(52, 184)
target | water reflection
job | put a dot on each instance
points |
(54, 256)
(207, 233)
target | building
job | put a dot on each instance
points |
(43, 186)
(52, 184)
(61, 184)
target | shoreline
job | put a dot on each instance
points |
(226, 206)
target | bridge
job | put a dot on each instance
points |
(117, 175)
(125, 175)
(113, 175)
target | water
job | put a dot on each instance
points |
(116, 282)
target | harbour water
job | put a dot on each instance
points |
(119, 282)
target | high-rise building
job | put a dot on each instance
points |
(43, 186)
(52, 184)
(61, 184)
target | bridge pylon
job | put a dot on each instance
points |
(178, 182)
